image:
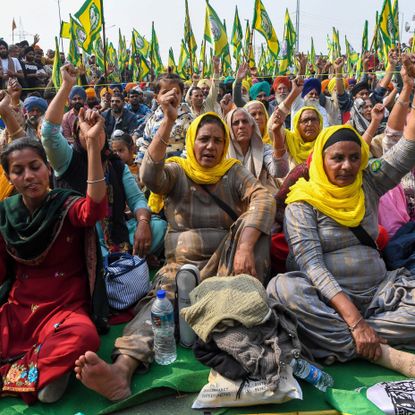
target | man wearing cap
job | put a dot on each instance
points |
(77, 99)
(34, 108)
(10, 67)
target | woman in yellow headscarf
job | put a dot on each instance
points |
(346, 302)
(294, 146)
(198, 224)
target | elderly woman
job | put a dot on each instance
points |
(260, 115)
(292, 147)
(46, 320)
(346, 302)
(247, 146)
(200, 231)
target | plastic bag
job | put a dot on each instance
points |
(222, 392)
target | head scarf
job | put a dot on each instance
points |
(281, 80)
(309, 85)
(324, 84)
(246, 85)
(332, 84)
(297, 147)
(254, 159)
(35, 102)
(358, 121)
(265, 136)
(345, 205)
(259, 87)
(193, 170)
(204, 82)
(77, 90)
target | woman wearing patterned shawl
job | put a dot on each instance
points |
(346, 301)
(218, 240)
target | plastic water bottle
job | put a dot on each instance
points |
(305, 370)
(162, 320)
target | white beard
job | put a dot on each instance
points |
(312, 102)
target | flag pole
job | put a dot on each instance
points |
(60, 22)
(104, 42)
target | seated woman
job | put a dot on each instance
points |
(292, 147)
(260, 115)
(200, 232)
(69, 164)
(345, 300)
(247, 146)
(46, 321)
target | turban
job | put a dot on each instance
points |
(35, 102)
(90, 93)
(246, 85)
(259, 87)
(129, 86)
(309, 85)
(332, 84)
(281, 80)
(106, 90)
(77, 90)
(228, 80)
(3, 43)
(360, 86)
(204, 82)
(324, 84)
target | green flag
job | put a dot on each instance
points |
(359, 65)
(395, 14)
(290, 37)
(73, 54)
(90, 17)
(155, 57)
(183, 60)
(142, 46)
(387, 26)
(188, 34)
(263, 25)
(215, 32)
(352, 57)
(171, 62)
(249, 50)
(56, 69)
(98, 49)
(336, 44)
(65, 30)
(236, 40)
(122, 50)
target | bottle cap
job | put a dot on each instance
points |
(161, 294)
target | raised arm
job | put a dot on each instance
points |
(7, 114)
(56, 109)
(237, 86)
(378, 112)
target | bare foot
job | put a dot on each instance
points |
(111, 381)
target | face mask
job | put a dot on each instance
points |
(77, 106)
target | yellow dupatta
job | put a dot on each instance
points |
(345, 205)
(193, 170)
(297, 147)
(6, 188)
(265, 137)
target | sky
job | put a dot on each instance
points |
(316, 19)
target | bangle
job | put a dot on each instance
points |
(144, 220)
(163, 141)
(353, 328)
(96, 181)
(403, 103)
(17, 132)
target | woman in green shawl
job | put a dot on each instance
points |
(46, 323)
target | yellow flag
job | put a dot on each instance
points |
(90, 17)
(263, 25)
(65, 30)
